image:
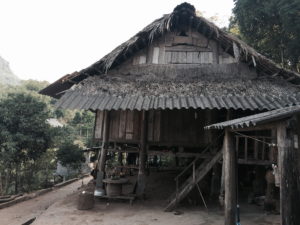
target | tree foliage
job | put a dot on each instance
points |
(272, 27)
(29, 145)
(24, 131)
(70, 154)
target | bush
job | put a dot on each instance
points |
(70, 154)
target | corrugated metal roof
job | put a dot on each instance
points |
(76, 100)
(257, 118)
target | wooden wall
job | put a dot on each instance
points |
(124, 125)
(175, 49)
(165, 127)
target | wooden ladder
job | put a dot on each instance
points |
(193, 180)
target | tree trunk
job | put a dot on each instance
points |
(7, 180)
(17, 179)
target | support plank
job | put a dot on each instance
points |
(230, 179)
(122, 126)
(129, 125)
(157, 126)
(155, 55)
(98, 125)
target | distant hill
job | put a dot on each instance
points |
(7, 77)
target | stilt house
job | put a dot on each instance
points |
(157, 91)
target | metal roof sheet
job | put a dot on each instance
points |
(257, 118)
(75, 100)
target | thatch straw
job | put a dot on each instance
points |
(182, 15)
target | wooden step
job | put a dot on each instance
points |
(189, 179)
(189, 184)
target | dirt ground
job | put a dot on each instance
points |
(24, 211)
(60, 207)
(141, 213)
(147, 212)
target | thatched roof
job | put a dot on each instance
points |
(180, 86)
(183, 81)
(182, 15)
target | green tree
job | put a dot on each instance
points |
(34, 85)
(24, 132)
(70, 154)
(272, 27)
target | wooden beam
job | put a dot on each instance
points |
(230, 178)
(141, 182)
(255, 162)
(289, 179)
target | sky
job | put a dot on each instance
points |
(46, 39)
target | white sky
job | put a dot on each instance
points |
(46, 39)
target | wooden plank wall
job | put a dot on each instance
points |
(165, 127)
(98, 132)
(174, 49)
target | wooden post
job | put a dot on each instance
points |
(255, 149)
(246, 149)
(102, 160)
(141, 182)
(289, 174)
(230, 179)
(104, 142)
(222, 188)
(211, 117)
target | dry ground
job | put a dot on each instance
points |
(141, 213)
(60, 208)
(148, 212)
(24, 211)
